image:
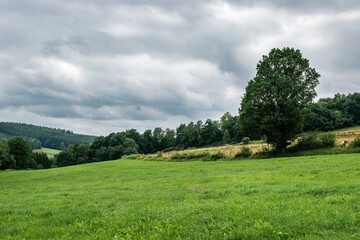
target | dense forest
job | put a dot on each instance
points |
(324, 115)
(38, 137)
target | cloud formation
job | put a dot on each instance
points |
(101, 66)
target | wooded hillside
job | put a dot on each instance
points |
(38, 136)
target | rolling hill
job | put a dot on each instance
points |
(38, 136)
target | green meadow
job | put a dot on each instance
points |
(49, 152)
(316, 197)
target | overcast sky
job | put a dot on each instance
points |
(97, 67)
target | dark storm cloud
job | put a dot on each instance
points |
(101, 66)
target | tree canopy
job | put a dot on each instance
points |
(276, 100)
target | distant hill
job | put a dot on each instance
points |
(43, 136)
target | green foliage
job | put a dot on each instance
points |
(21, 151)
(193, 156)
(276, 100)
(230, 124)
(65, 158)
(38, 137)
(333, 113)
(244, 153)
(130, 147)
(32, 163)
(285, 198)
(169, 149)
(197, 156)
(226, 138)
(327, 140)
(215, 156)
(355, 143)
(6, 160)
(245, 140)
(42, 159)
(264, 138)
(313, 140)
(131, 157)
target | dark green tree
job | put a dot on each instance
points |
(226, 138)
(169, 139)
(210, 133)
(6, 160)
(276, 100)
(148, 146)
(42, 160)
(130, 146)
(65, 158)
(21, 151)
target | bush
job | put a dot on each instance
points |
(190, 156)
(245, 140)
(131, 157)
(265, 152)
(179, 156)
(244, 153)
(264, 138)
(327, 140)
(355, 143)
(313, 140)
(214, 156)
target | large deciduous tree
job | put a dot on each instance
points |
(276, 99)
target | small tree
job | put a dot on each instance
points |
(226, 138)
(277, 98)
(130, 147)
(245, 140)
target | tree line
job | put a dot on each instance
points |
(333, 113)
(116, 145)
(326, 114)
(17, 154)
(204, 134)
(38, 136)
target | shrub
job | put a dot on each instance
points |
(244, 153)
(313, 140)
(214, 156)
(355, 143)
(265, 152)
(131, 157)
(327, 140)
(191, 156)
(178, 156)
(245, 140)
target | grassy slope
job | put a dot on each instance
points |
(48, 151)
(355, 128)
(314, 197)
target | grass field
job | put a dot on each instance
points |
(315, 197)
(50, 152)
